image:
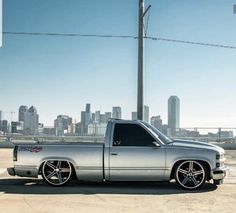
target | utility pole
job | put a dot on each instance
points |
(141, 36)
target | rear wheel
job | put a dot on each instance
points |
(190, 174)
(57, 173)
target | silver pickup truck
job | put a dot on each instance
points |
(132, 151)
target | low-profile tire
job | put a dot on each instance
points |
(190, 174)
(57, 173)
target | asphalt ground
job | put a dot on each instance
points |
(33, 195)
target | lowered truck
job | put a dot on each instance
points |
(131, 151)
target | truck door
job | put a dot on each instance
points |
(134, 156)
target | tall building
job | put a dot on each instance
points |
(156, 121)
(4, 126)
(22, 111)
(146, 114)
(62, 124)
(97, 116)
(107, 116)
(134, 116)
(1, 115)
(17, 127)
(173, 114)
(93, 117)
(83, 117)
(102, 118)
(1, 118)
(87, 117)
(116, 112)
(31, 120)
(88, 108)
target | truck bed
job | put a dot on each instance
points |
(86, 158)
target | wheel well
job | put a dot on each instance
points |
(41, 165)
(205, 164)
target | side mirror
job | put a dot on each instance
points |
(117, 143)
(156, 144)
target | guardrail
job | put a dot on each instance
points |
(207, 134)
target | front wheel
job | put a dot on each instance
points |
(57, 173)
(190, 174)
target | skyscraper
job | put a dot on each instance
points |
(134, 116)
(173, 114)
(81, 128)
(62, 124)
(88, 108)
(31, 120)
(102, 118)
(146, 114)
(108, 116)
(97, 116)
(87, 115)
(5, 126)
(0, 115)
(156, 121)
(116, 112)
(22, 111)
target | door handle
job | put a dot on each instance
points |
(114, 153)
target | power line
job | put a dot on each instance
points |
(193, 42)
(68, 35)
(120, 37)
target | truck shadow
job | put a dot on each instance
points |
(38, 187)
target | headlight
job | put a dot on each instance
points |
(217, 156)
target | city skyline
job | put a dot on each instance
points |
(60, 74)
(171, 121)
(132, 115)
(94, 123)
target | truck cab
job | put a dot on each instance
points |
(134, 152)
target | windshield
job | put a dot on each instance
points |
(157, 133)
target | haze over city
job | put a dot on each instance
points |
(59, 75)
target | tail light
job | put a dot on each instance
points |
(15, 153)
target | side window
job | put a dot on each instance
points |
(131, 135)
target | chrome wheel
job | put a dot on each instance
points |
(190, 174)
(57, 173)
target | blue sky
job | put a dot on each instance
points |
(59, 75)
(0, 23)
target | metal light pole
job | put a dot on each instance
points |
(140, 61)
(141, 35)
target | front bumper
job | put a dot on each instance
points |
(219, 173)
(11, 171)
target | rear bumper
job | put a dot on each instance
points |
(219, 173)
(11, 171)
(23, 171)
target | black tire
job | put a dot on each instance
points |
(57, 173)
(190, 174)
